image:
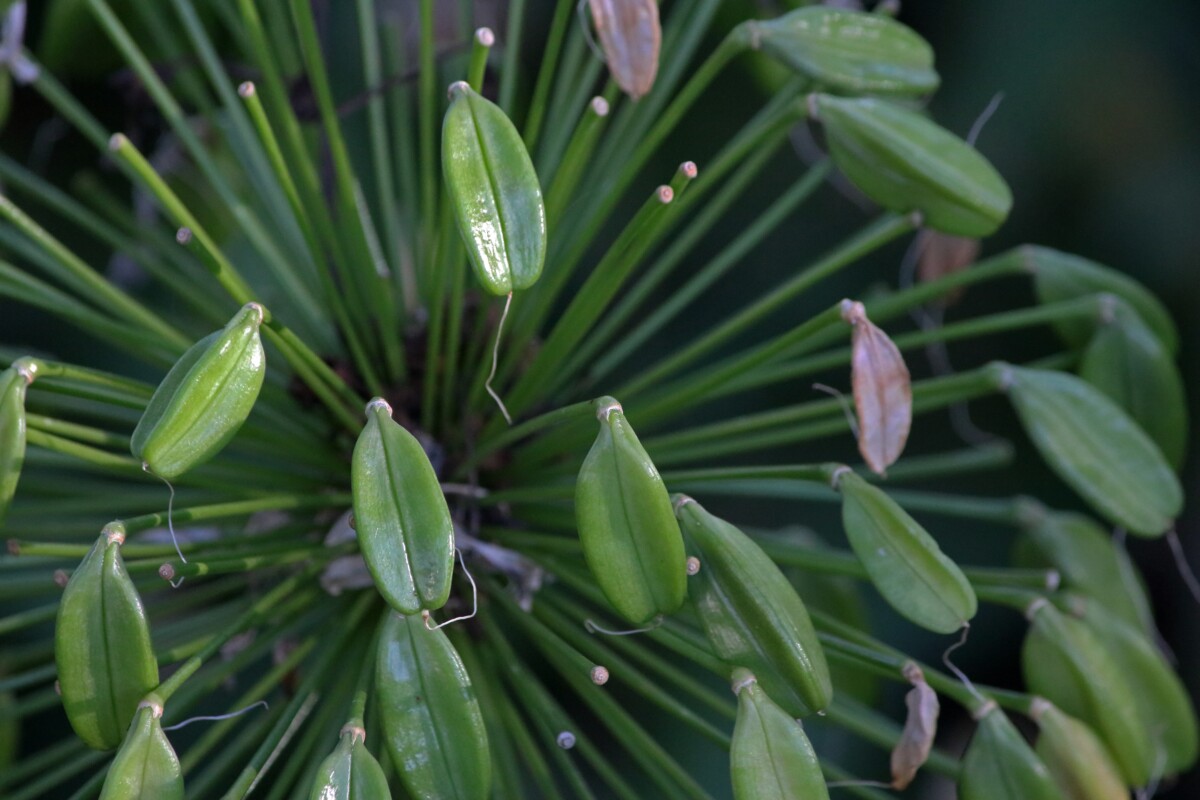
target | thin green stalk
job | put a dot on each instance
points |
(80, 433)
(546, 74)
(481, 45)
(427, 125)
(518, 432)
(561, 191)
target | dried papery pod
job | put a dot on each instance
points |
(1080, 763)
(350, 772)
(494, 191)
(1159, 696)
(1131, 365)
(102, 649)
(630, 35)
(1090, 562)
(940, 255)
(146, 766)
(903, 561)
(751, 614)
(920, 728)
(905, 162)
(13, 382)
(846, 51)
(770, 757)
(1094, 447)
(430, 718)
(882, 390)
(204, 399)
(999, 765)
(1063, 660)
(626, 524)
(401, 517)
(1061, 276)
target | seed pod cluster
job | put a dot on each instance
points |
(882, 390)
(630, 35)
(146, 765)
(770, 757)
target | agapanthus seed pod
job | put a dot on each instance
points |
(146, 765)
(630, 35)
(350, 772)
(882, 390)
(1080, 763)
(13, 382)
(999, 765)
(770, 757)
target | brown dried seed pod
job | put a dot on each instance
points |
(630, 35)
(941, 254)
(920, 728)
(882, 390)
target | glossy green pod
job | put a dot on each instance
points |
(751, 614)
(1126, 361)
(626, 524)
(430, 718)
(13, 382)
(1067, 663)
(847, 52)
(999, 765)
(1080, 763)
(1061, 276)
(770, 757)
(350, 772)
(102, 649)
(494, 191)
(204, 399)
(400, 515)
(905, 162)
(903, 561)
(145, 767)
(1094, 447)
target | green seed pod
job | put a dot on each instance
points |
(494, 191)
(350, 772)
(13, 382)
(999, 765)
(401, 517)
(1095, 448)
(1128, 362)
(626, 524)
(846, 51)
(1061, 276)
(770, 757)
(752, 615)
(431, 720)
(1064, 661)
(904, 162)
(1080, 763)
(903, 561)
(1159, 695)
(205, 397)
(102, 646)
(145, 767)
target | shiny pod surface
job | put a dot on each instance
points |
(401, 518)
(630, 34)
(350, 772)
(1093, 445)
(12, 434)
(770, 757)
(145, 767)
(999, 765)
(626, 524)
(847, 51)
(904, 162)
(1080, 763)
(204, 399)
(430, 718)
(903, 561)
(106, 664)
(751, 614)
(494, 191)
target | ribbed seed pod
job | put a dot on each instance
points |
(1094, 447)
(903, 561)
(846, 51)
(431, 720)
(102, 649)
(13, 382)
(146, 767)
(350, 772)
(1080, 763)
(752, 615)
(205, 397)
(770, 757)
(905, 162)
(630, 35)
(999, 765)
(401, 518)
(626, 524)
(494, 191)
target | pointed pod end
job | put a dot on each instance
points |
(1036, 605)
(27, 368)
(741, 679)
(114, 532)
(259, 311)
(605, 406)
(379, 404)
(679, 501)
(1039, 707)
(835, 477)
(853, 312)
(457, 89)
(357, 733)
(153, 703)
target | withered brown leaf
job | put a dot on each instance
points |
(882, 390)
(630, 35)
(920, 728)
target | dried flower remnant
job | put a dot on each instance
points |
(920, 728)
(882, 391)
(941, 254)
(630, 35)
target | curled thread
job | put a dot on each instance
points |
(845, 404)
(170, 524)
(592, 627)
(474, 600)
(495, 358)
(1181, 564)
(218, 717)
(958, 673)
